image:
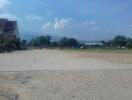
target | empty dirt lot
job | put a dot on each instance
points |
(65, 75)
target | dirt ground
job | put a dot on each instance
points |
(68, 85)
(62, 75)
(109, 57)
(63, 60)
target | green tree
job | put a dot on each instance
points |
(129, 43)
(41, 41)
(8, 45)
(63, 42)
(72, 42)
(24, 44)
(34, 43)
(54, 44)
(119, 41)
(68, 42)
(47, 41)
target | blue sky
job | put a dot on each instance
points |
(83, 19)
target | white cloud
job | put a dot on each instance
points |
(4, 3)
(92, 23)
(46, 25)
(33, 17)
(69, 24)
(61, 23)
(57, 24)
(97, 28)
(4, 13)
(93, 26)
(8, 16)
(89, 23)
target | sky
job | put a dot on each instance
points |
(88, 20)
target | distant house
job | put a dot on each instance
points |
(91, 44)
(8, 29)
(94, 44)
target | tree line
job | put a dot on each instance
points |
(119, 41)
(9, 45)
(46, 42)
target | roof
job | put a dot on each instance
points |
(93, 43)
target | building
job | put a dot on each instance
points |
(8, 29)
(94, 44)
(91, 45)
